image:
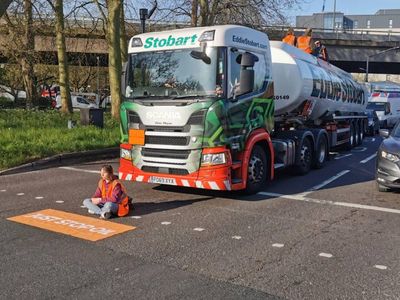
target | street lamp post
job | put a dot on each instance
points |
(375, 54)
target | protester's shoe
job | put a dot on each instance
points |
(91, 212)
(105, 215)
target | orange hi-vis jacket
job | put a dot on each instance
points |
(303, 43)
(123, 205)
(289, 39)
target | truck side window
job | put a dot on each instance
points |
(261, 71)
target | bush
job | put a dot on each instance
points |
(6, 103)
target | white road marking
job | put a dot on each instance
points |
(368, 158)
(165, 223)
(3, 190)
(380, 267)
(39, 197)
(198, 229)
(236, 237)
(302, 197)
(59, 201)
(328, 255)
(359, 149)
(277, 245)
(20, 194)
(326, 182)
(80, 170)
(342, 156)
(136, 217)
(83, 206)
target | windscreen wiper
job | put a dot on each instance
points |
(193, 96)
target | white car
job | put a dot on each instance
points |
(387, 107)
(77, 102)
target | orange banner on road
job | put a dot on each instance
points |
(71, 224)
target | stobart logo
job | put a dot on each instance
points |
(170, 41)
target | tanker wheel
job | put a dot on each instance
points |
(360, 133)
(304, 158)
(321, 153)
(256, 170)
(356, 132)
(350, 143)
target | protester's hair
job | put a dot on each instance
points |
(108, 169)
(290, 31)
(308, 32)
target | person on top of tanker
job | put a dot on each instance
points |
(290, 38)
(304, 41)
(110, 197)
(320, 51)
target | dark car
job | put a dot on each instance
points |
(373, 122)
(388, 160)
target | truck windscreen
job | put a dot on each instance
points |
(175, 74)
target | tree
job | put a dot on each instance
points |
(113, 34)
(63, 77)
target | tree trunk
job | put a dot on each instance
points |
(63, 77)
(203, 12)
(114, 54)
(123, 40)
(195, 5)
(27, 63)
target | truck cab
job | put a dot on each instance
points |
(195, 102)
(387, 107)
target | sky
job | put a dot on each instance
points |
(348, 7)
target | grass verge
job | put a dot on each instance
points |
(27, 135)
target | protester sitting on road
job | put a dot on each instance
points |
(110, 197)
(320, 51)
(290, 38)
(304, 41)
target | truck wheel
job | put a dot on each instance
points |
(350, 142)
(356, 140)
(322, 152)
(257, 170)
(304, 158)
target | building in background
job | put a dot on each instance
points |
(382, 20)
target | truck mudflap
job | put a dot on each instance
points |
(211, 178)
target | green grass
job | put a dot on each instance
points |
(26, 135)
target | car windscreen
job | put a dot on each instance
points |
(396, 131)
(377, 106)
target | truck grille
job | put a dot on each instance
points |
(167, 140)
(164, 153)
(171, 171)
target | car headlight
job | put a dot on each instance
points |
(390, 156)
(126, 154)
(213, 159)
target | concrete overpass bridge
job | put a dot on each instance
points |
(347, 50)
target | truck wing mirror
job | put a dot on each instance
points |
(384, 133)
(201, 55)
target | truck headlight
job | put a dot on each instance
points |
(126, 154)
(213, 159)
(389, 156)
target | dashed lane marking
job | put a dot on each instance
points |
(20, 194)
(198, 229)
(380, 267)
(72, 224)
(302, 197)
(80, 170)
(3, 190)
(236, 237)
(39, 197)
(340, 156)
(328, 181)
(136, 217)
(327, 255)
(368, 158)
(277, 245)
(59, 201)
(165, 223)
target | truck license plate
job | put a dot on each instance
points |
(162, 180)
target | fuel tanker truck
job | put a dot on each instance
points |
(222, 108)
